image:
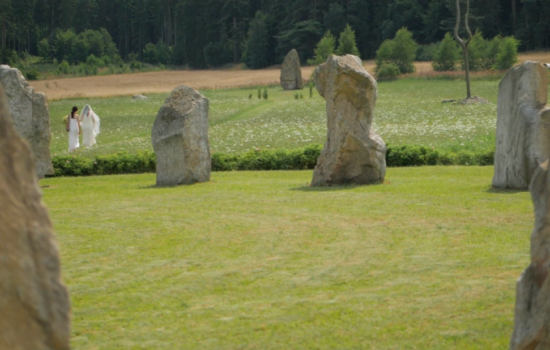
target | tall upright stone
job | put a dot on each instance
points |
(532, 311)
(180, 138)
(29, 110)
(523, 129)
(353, 152)
(291, 73)
(34, 304)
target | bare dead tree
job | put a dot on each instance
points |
(464, 43)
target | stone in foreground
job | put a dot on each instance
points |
(532, 311)
(523, 132)
(353, 152)
(31, 117)
(34, 304)
(180, 138)
(291, 73)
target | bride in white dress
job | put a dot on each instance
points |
(74, 129)
(90, 126)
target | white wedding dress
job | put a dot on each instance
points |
(73, 133)
(89, 122)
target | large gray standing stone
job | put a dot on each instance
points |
(523, 129)
(180, 138)
(34, 304)
(291, 73)
(353, 152)
(29, 110)
(532, 311)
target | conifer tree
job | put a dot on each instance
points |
(255, 55)
(346, 43)
(325, 47)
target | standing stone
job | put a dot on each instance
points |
(291, 73)
(34, 304)
(180, 138)
(532, 311)
(31, 117)
(523, 129)
(353, 153)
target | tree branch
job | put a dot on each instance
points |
(457, 23)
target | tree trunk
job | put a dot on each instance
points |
(467, 71)
(464, 43)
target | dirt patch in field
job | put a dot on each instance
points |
(165, 81)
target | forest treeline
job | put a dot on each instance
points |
(207, 33)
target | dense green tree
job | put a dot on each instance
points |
(213, 32)
(303, 37)
(255, 55)
(508, 53)
(399, 51)
(447, 55)
(325, 47)
(335, 18)
(404, 50)
(346, 43)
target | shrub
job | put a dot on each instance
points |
(476, 53)
(310, 85)
(400, 51)
(325, 47)
(446, 56)
(384, 53)
(259, 93)
(296, 159)
(346, 43)
(66, 45)
(491, 52)
(64, 68)
(265, 93)
(149, 53)
(499, 53)
(32, 74)
(404, 50)
(508, 53)
(387, 70)
(44, 49)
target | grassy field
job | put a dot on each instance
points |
(258, 260)
(408, 112)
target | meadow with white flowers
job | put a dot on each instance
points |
(408, 112)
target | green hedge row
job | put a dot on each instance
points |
(297, 159)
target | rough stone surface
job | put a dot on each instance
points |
(532, 311)
(180, 138)
(139, 97)
(353, 152)
(29, 110)
(291, 73)
(523, 129)
(34, 304)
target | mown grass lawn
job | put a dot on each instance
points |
(258, 260)
(408, 112)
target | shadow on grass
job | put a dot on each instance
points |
(308, 188)
(153, 186)
(504, 191)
